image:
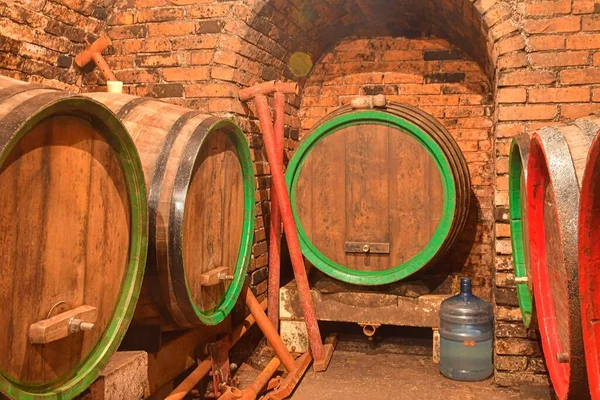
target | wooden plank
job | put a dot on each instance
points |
(59, 326)
(367, 208)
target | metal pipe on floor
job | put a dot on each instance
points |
(269, 330)
(275, 231)
(291, 233)
(252, 391)
(205, 366)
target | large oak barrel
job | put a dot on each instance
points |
(73, 239)
(378, 194)
(517, 188)
(557, 157)
(200, 182)
(589, 260)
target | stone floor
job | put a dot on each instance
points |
(394, 370)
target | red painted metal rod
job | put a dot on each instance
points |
(268, 330)
(275, 231)
(205, 366)
(291, 234)
(252, 391)
(268, 88)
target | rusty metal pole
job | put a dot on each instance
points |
(205, 366)
(289, 226)
(252, 391)
(268, 330)
(275, 231)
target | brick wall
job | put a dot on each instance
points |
(39, 38)
(541, 59)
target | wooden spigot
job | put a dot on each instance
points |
(94, 53)
(62, 325)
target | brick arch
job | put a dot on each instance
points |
(268, 32)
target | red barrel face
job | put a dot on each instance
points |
(589, 265)
(555, 167)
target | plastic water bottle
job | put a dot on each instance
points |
(466, 336)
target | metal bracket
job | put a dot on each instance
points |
(221, 370)
(367, 247)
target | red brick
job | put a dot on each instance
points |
(148, 3)
(195, 42)
(401, 55)
(526, 113)
(157, 60)
(559, 95)
(128, 32)
(597, 58)
(559, 59)
(149, 45)
(581, 41)
(511, 95)
(590, 22)
(186, 74)
(201, 57)
(494, 15)
(596, 95)
(214, 10)
(226, 105)
(510, 61)
(580, 76)
(364, 79)
(526, 78)
(401, 77)
(211, 90)
(578, 110)
(136, 76)
(508, 130)
(502, 29)
(583, 6)
(509, 44)
(546, 42)
(553, 25)
(171, 29)
(159, 14)
(548, 7)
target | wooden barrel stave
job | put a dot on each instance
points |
(589, 256)
(555, 170)
(175, 144)
(455, 164)
(56, 228)
(519, 155)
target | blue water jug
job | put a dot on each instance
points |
(466, 336)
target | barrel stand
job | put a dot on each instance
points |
(368, 309)
(125, 377)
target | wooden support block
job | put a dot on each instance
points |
(212, 277)
(124, 378)
(436, 346)
(294, 335)
(63, 325)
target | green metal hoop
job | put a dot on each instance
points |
(427, 253)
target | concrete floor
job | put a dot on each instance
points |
(391, 370)
(353, 375)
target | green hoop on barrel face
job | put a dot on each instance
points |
(426, 254)
(230, 297)
(86, 372)
(519, 151)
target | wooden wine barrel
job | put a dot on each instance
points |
(589, 259)
(379, 194)
(557, 157)
(73, 239)
(201, 200)
(517, 188)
